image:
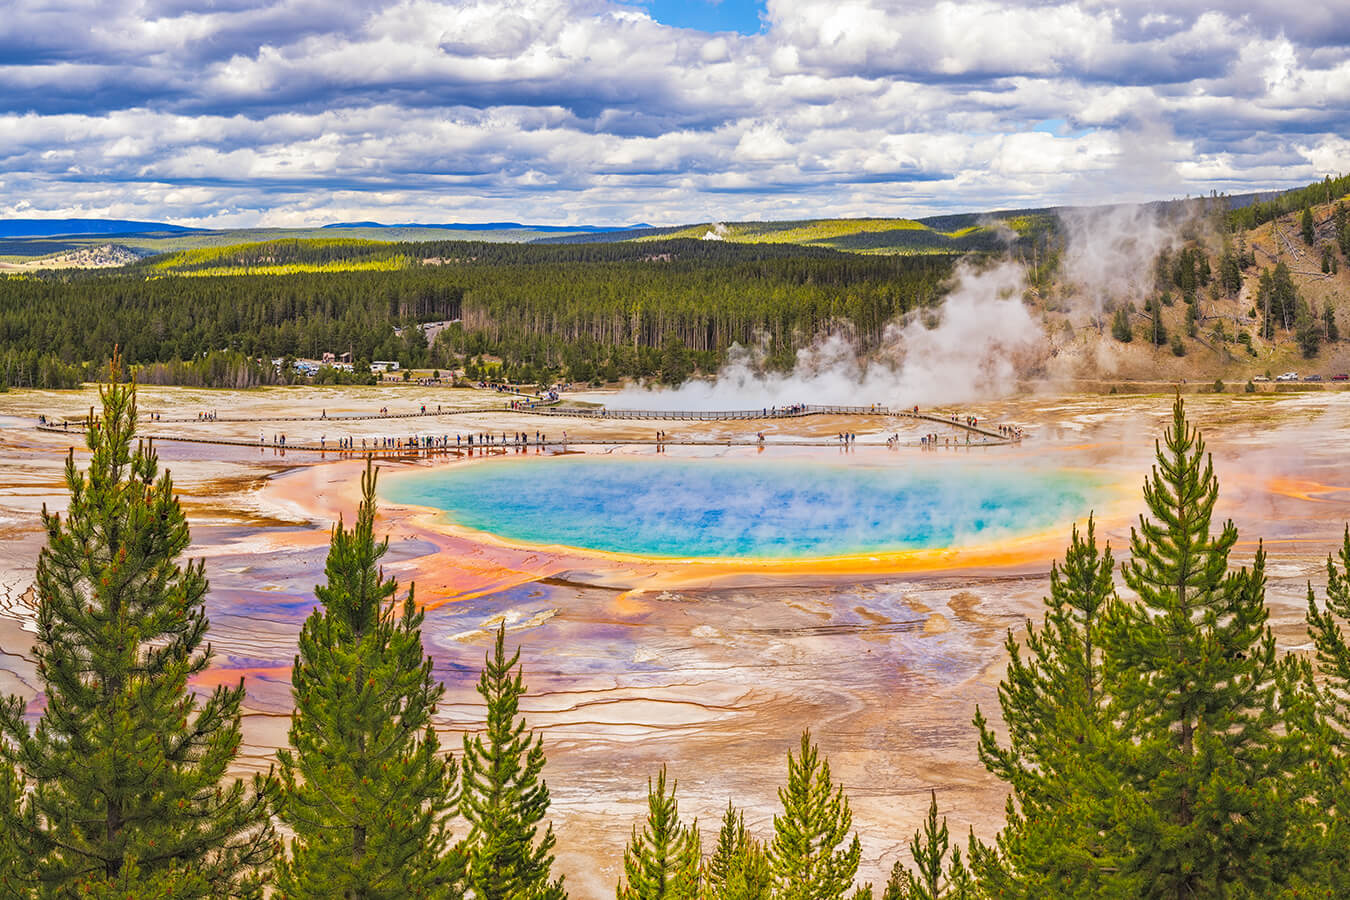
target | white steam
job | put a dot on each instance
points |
(1110, 252)
(983, 331)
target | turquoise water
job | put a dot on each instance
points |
(747, 509)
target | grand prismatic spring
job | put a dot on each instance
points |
(751, 509)
(697, 605)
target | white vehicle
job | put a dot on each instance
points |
(1287, 376)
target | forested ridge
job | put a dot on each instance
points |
(578, 311)
(658, 308)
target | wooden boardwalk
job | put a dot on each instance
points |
(414, 446)
(554, 410)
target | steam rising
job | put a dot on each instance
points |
(983, 331)
(984, 337)
(1110, 251)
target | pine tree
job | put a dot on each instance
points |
(15, 880)
(1309, 330)
(939, 872)
(1328, 727)
(1306, 228)
(126, 767)
(1341, 217)
(504, 799)
(1054, 706)
(1157, 332)
(807, 857)
(1121, 329)
(1193, 675)
(365, 791)
(662, 863)
(738, 868)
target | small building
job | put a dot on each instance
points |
(380, 366)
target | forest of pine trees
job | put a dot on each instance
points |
(578, 312)
(598, 312)
(1154, 743)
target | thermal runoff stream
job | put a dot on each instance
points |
(733, 509)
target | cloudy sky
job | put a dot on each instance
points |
(295, 112)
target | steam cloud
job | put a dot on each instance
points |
(1110, 251)
(984, 338)
(983, 331)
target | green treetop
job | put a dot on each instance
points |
(365, 790)
(126, 767)
(939, 872)
(1193, 675)
(1054, 707)
(15, 880)
(1328, 729)
(504, 798)
(808, 856)
(662, 863)
(738, 868)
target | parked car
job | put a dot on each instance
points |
(1340, 377)
(1312, 378)
(1261, 378)
(1287, 376)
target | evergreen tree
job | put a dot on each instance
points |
(1329, 726)
(1333, 333)
(738, 868)
(365, 791)
(1157, 331)
(1306, 227)
(1193, 675)
(939, 872)
(126, 767)
(1121, 329)
(1341, 217)
(503, 796)
(1278, 299)
(807, 857)
(15, 877)
(662, 863)
(1230, 272)
(1309, 330)
(1054, 704)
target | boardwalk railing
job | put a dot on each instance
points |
(709, 415)
(780, 412)
(603, 413)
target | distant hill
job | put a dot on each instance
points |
(494, 226)
(38, 228)
(950, 234)
(26, 241)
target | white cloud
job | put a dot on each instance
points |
(289, 111)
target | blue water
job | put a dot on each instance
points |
(747, 509)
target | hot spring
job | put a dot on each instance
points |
(748, 509)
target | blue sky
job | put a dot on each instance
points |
(302, 112)
(741, 16)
